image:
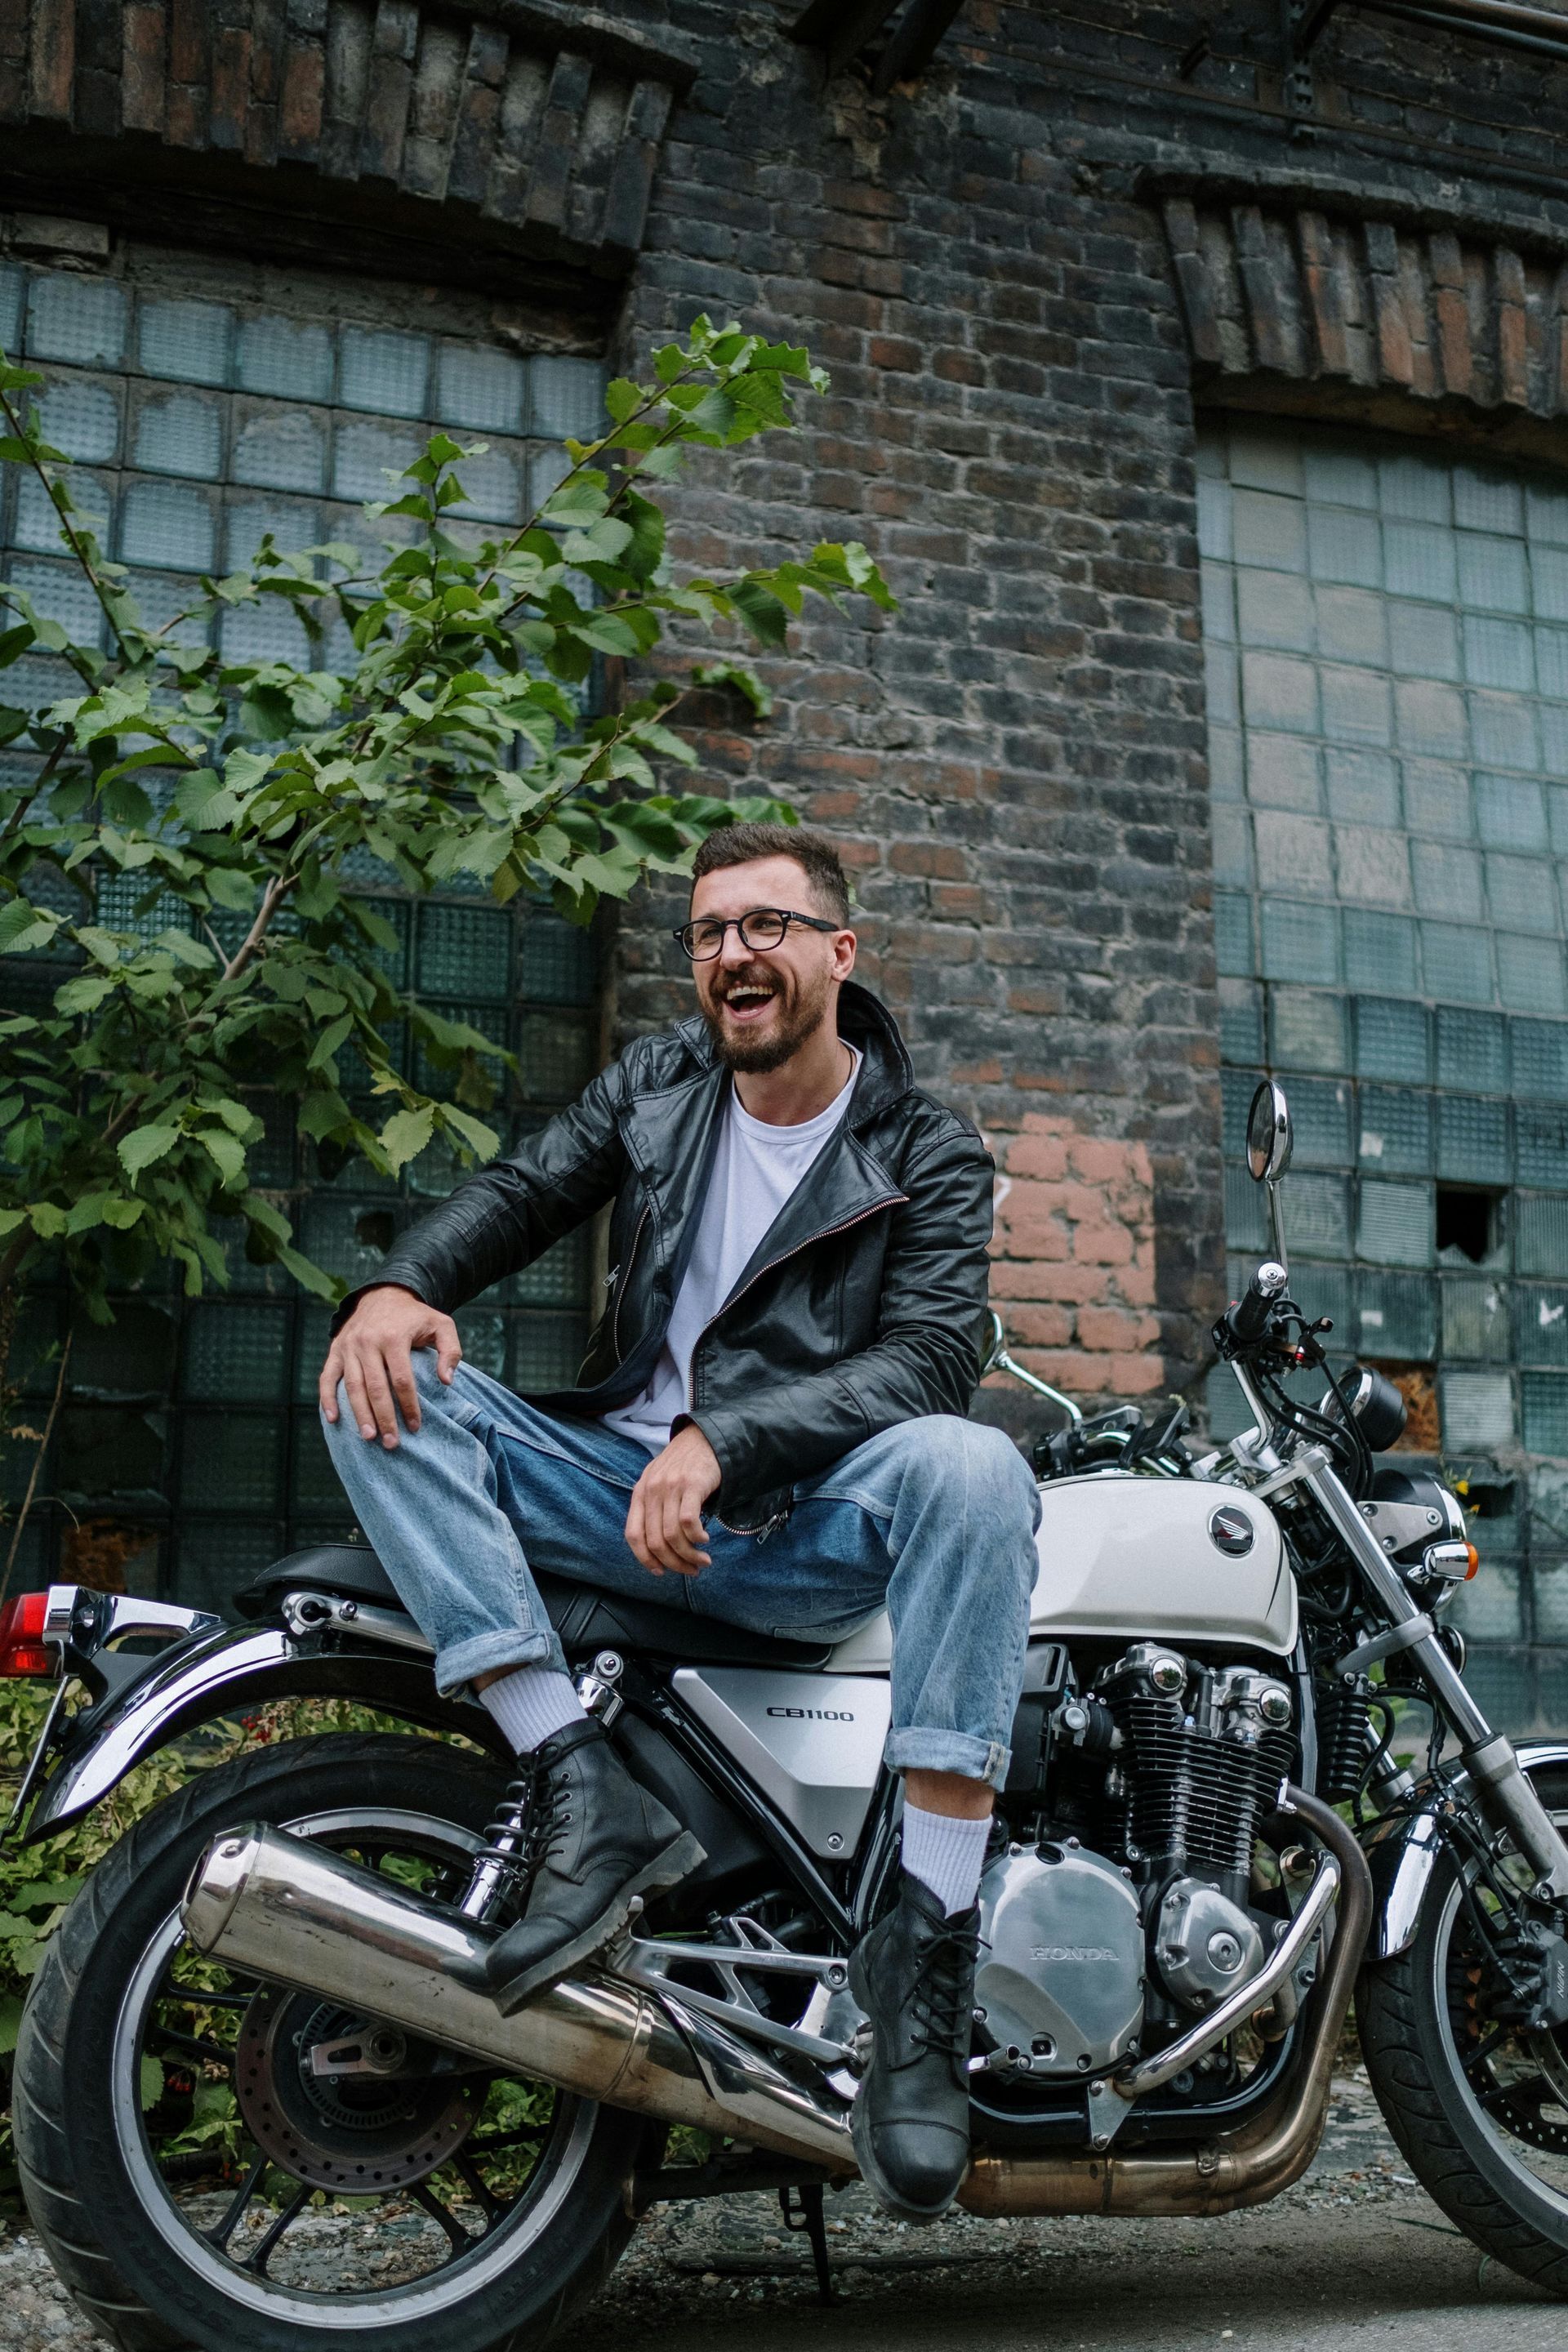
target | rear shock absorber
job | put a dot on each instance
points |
(505, 1862)
(1344, 1738)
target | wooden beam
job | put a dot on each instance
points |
(841, 27)
(914, 43)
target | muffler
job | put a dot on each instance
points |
(290, 1910)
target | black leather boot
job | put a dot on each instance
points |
(914, 1977)
(595, 1841)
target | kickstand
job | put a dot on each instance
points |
(802, 2209)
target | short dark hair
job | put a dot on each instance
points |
(814, 852)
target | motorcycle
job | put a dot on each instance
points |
(261, 2100)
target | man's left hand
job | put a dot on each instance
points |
(664, 1524)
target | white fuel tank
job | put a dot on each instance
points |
(1143, 1558)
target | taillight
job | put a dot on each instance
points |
(23, 1650)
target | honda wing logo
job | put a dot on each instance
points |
(1231, 1531)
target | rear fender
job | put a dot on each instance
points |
(1404, 1851)
(226, 1673)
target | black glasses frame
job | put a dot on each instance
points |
(784, 915)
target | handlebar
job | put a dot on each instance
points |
(1247, 1319)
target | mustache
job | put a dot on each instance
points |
(731, 983)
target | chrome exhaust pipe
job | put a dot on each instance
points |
(290, 1910)
(1246, 2166)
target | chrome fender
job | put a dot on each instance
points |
(227, 1672)
(1403, 1852)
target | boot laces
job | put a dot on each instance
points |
(530, 1821)
(940, 1997)
(549, 1815)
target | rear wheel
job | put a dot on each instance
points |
(1478, 2104)
(212, 2162)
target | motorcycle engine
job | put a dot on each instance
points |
(1129, 1908)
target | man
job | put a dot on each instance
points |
(769, 1414)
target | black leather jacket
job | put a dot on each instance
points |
(859, 1309)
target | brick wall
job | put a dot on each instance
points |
(1015, 760)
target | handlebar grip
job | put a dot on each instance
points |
(1249, 1317)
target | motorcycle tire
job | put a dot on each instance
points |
(144, 2275)
(1467, 2166)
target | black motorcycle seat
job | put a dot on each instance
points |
(587, 1617)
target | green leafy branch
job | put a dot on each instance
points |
(177, 852)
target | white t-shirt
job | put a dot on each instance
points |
(755, 1169)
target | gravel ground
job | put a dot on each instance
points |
(1356, 2251)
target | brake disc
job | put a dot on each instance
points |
(357, 2133)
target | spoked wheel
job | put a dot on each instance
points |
(1478, 2102)
(213, 2162)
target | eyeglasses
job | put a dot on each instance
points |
(761, 929)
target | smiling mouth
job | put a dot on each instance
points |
(747, 1000)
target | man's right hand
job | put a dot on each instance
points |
(373, 1356)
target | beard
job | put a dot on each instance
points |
(802, 1010)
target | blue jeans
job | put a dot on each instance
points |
(933, 1519)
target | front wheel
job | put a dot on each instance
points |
(213, 2162)
(1478, 2105)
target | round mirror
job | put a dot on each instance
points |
(1269, 1134)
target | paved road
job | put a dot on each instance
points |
(1355, 2256)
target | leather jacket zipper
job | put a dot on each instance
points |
(766, 1528)
(625, 1272)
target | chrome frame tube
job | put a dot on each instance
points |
(1148, 2073)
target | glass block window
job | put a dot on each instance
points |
(1386, 634)
(202, 416)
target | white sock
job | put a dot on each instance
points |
(943, 1854)
(531, 1704)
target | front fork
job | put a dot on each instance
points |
(1503, 1794)
(1502, 1791)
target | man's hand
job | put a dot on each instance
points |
(373, 1356)
(664, 1524)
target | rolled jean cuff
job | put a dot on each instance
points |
(947, 1751)
(459, 1661)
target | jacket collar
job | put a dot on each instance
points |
(886, 1071)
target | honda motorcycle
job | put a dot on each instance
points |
(261, 2100)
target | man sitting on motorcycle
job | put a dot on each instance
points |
(771, 1413)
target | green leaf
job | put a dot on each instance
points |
(47, 1221)
(406, 1135)
(10, 2020)
(13, 642)
(765, 615)
(24, 927)
(225, 1152)
(644, 550)
(481, 1139)
(745, 682)
(204, 804)
(145, 1145)
(83, 994)
(324, 1285)
(151, 2081)
(121, 1213)
(230, 888)
(327, 1044)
